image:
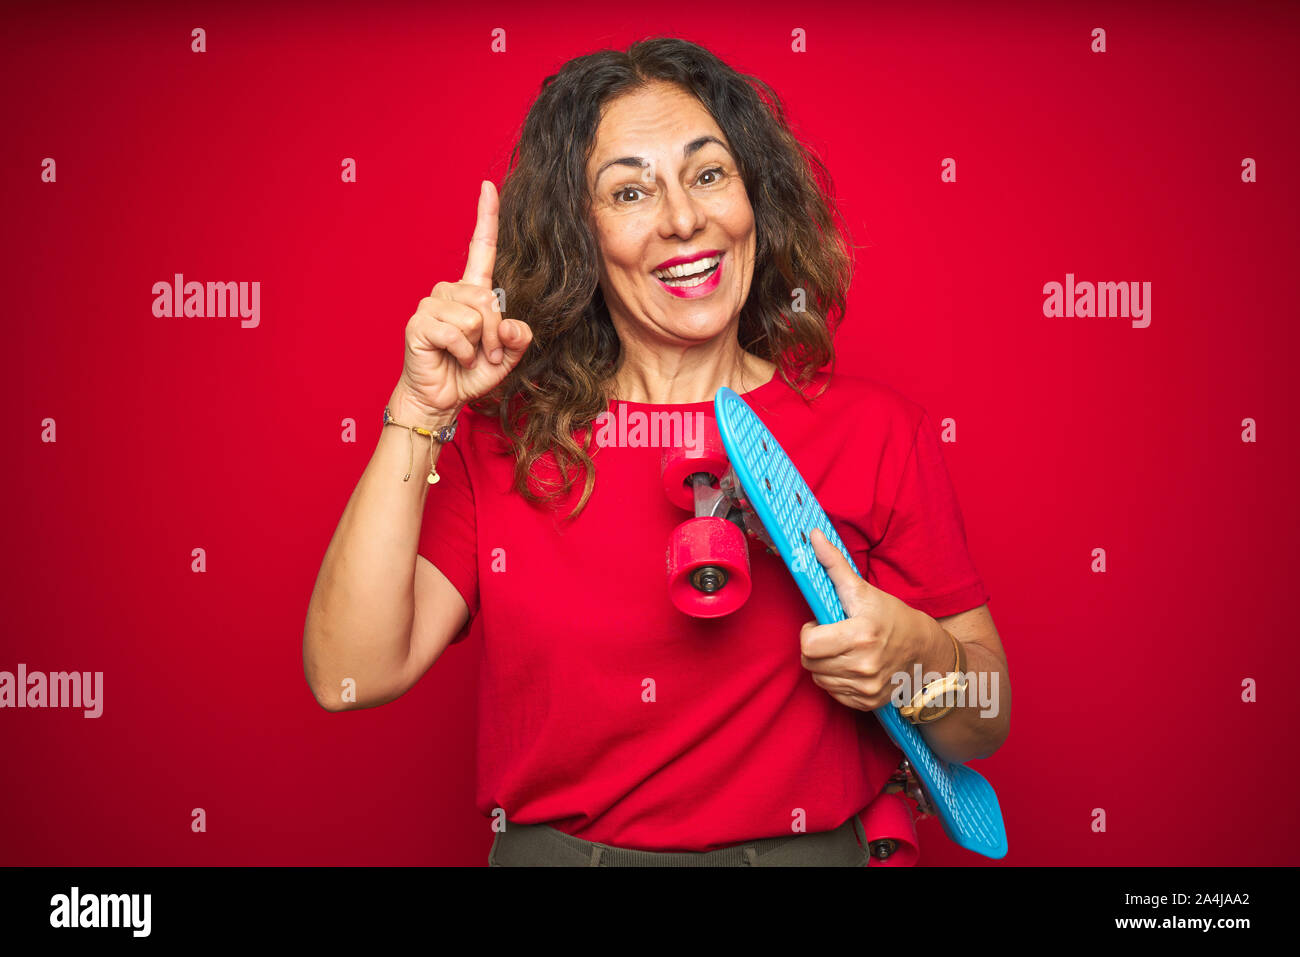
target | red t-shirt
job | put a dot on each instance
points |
(737, 743)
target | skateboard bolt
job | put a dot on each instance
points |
(708, 579)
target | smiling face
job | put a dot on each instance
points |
(671, 217)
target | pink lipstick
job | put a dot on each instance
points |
(690, 277)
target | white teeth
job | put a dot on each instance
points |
(691, 269)
(687, 283)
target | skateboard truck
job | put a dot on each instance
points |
(728, 501)
(743, 513)
(906, 781)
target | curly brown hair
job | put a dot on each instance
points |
(547, 256)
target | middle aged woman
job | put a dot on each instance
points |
(660, 234)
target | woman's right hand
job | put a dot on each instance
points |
(458, 344)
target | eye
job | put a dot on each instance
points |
(620, 195)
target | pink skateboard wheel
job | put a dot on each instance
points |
(708, 567)
(887, 821)
(679, 463)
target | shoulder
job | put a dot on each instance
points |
(877, 406)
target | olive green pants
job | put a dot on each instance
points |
(537, 845)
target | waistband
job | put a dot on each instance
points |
(885, 827)
(539, 845)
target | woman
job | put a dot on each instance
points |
(661, 234)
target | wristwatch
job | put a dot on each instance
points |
(919, 710)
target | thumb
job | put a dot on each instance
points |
(849, 585)
(515, 337)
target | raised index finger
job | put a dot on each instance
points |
(483, 246)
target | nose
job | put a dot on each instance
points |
(680, 215)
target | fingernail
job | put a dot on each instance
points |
(495, 355)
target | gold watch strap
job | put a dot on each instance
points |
(920, 709)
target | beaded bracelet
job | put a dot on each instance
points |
(443, 434)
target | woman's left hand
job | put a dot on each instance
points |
(854, 660)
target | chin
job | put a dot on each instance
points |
(707, 327)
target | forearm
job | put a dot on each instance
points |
(980, 719)
(359, 616)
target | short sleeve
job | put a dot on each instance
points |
(922, 557)
(448, 535)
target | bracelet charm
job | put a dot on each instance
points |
(444, 434)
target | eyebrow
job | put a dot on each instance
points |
(639, 162)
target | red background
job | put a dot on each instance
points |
(1072, 433)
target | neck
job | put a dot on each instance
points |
(666, 378)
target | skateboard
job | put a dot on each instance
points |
(741, 486)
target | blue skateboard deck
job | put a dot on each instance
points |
(962, 799)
